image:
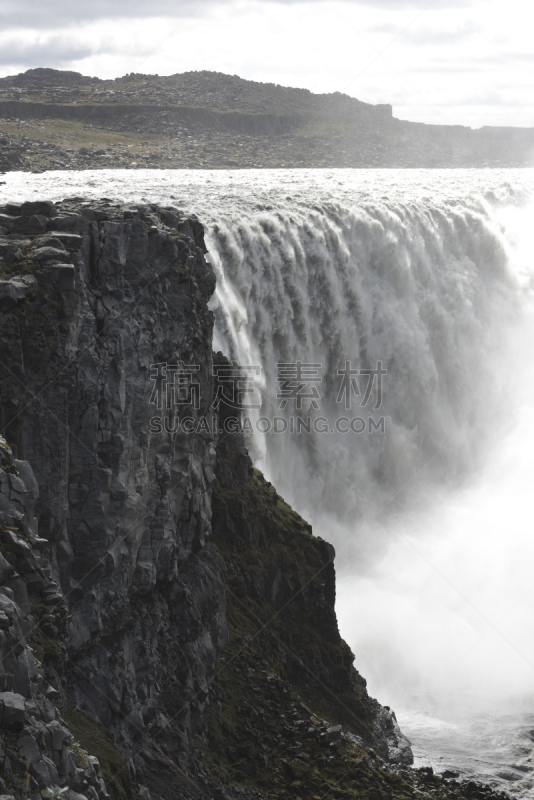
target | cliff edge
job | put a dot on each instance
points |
(167, 624)
(52, 119)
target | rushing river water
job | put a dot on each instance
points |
(388, 316)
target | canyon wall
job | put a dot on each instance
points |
(168, 624)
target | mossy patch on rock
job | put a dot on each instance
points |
(93, 737)
(287, 675)
(289, 715)
(282, 592)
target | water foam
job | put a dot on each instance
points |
(428, 272)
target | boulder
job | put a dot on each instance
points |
(62, 275)
(21, 548)
(333, 734)
(14, 290)
(41, 207)
(43, 254)
(12, 711)
(26, 474)
(34, 223)
(29, 749)
(6, 222)
(20, 592)
(6, 570)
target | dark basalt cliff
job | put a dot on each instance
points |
(167, 623)
(50, 119)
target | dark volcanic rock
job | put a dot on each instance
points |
(123, 536)
(128, 534)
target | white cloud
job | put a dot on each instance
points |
(15, 13)
(58, 51)
(458, 62)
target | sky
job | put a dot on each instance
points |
(461, 62)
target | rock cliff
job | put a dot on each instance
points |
(50, 119)
(167, 623)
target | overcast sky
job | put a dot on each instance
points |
(466, 62)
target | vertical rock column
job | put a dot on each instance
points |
(94, 295)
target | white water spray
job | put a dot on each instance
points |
(429, 274)
(432, 519)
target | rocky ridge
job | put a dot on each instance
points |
(168, 622)
(213, 90)
(51, 119)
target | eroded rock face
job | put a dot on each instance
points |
(90, 304)
(293, 691)
(113, 587)
(37, 748)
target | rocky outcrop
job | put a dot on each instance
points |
(168, 621)
(213, 91)
(291, 706)
(101, 294)
(209, 120)
(37, 749)
(254, 124)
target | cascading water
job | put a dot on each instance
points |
(426, 292)
(432, 515)
(425, 276)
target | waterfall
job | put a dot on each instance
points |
(424, 276)
(428, 291)
(431, 512)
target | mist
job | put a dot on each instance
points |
(432, 520)
(430, 515)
